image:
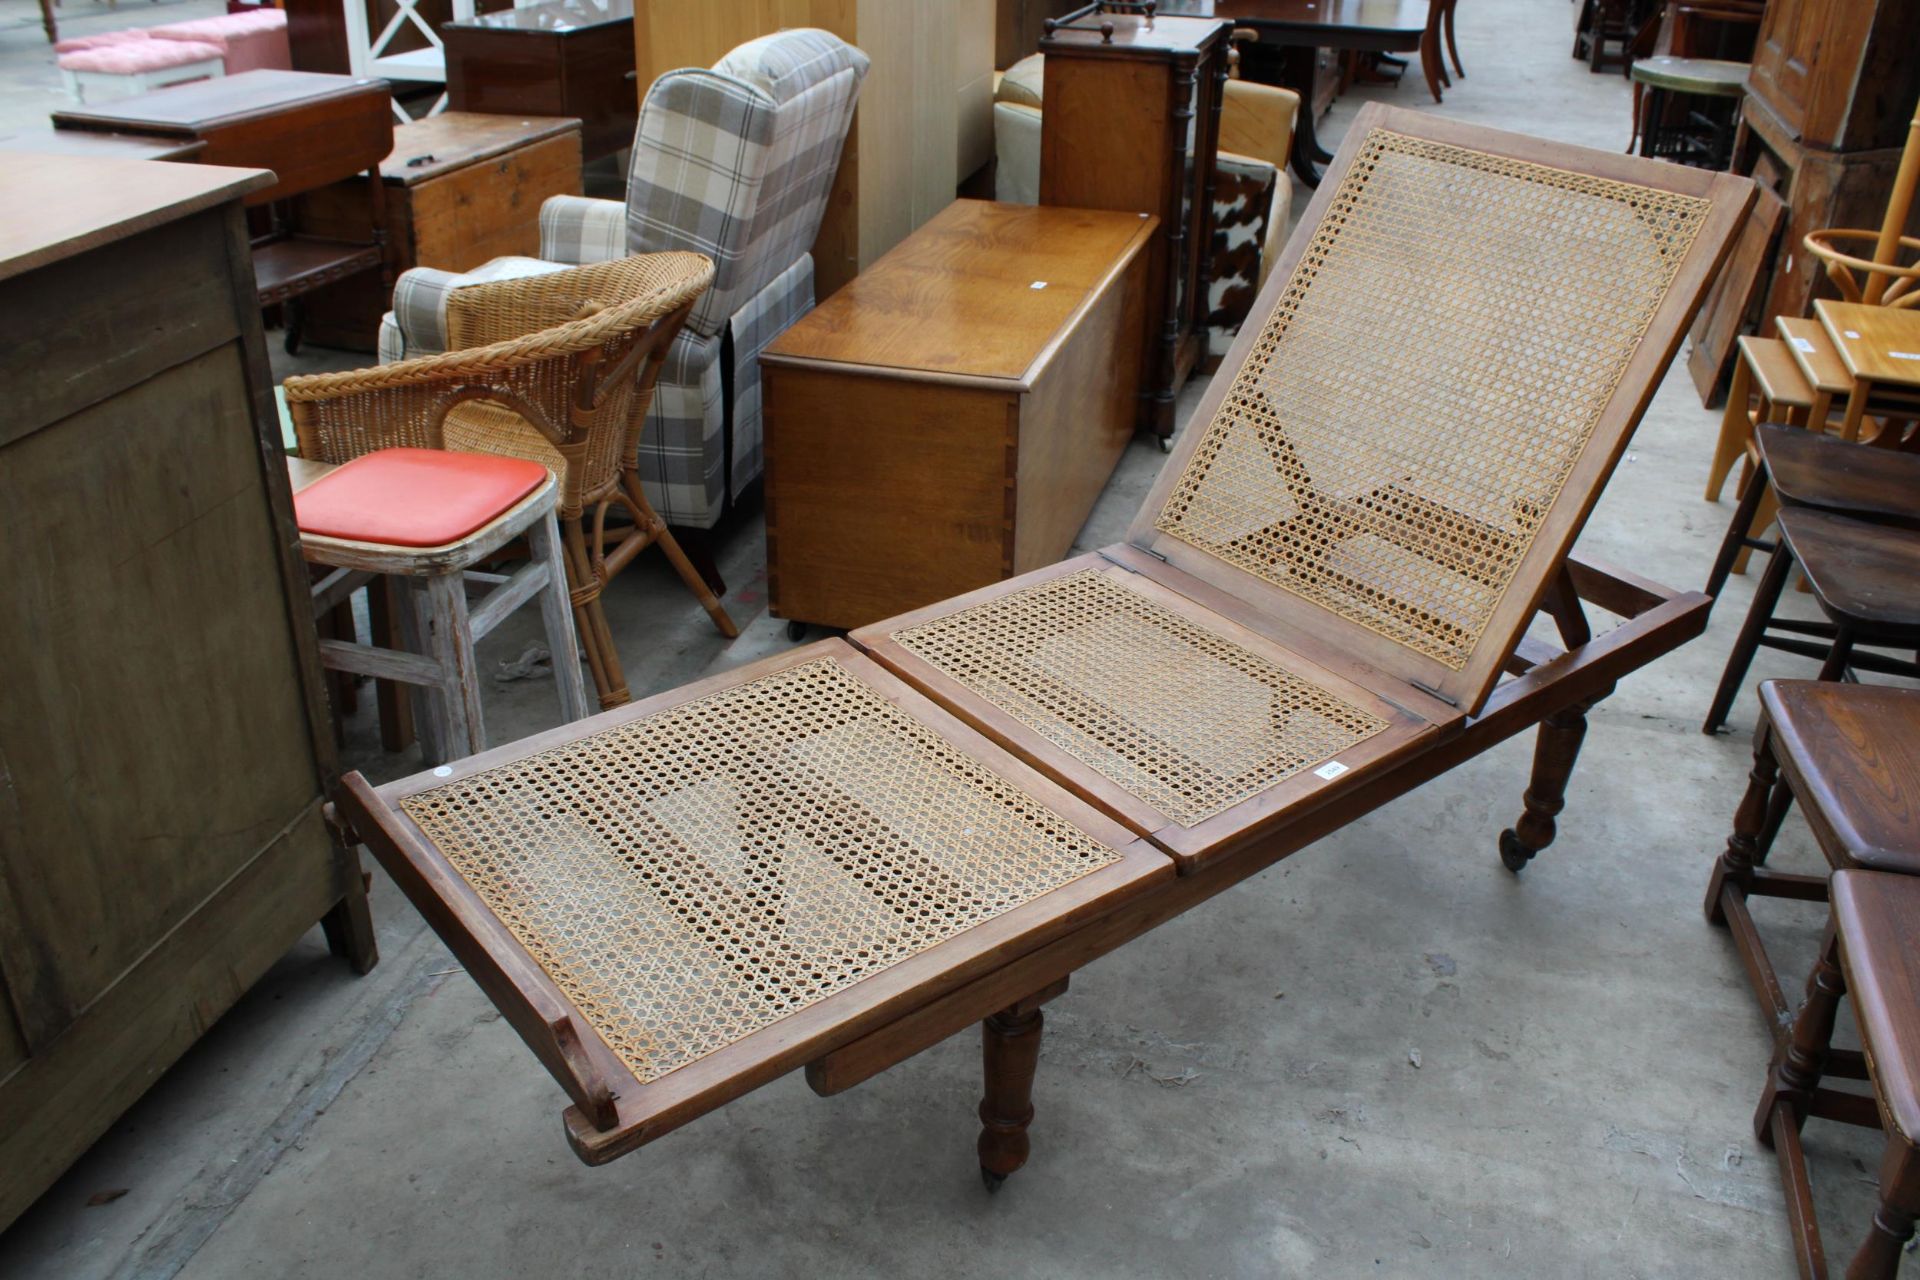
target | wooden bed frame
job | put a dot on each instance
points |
(560, 867)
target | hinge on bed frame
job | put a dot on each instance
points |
(1432, 692)
(1118, 564)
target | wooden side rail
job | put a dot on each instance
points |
(523, 993)
(1657, 620)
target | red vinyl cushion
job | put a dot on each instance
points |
(414, 497)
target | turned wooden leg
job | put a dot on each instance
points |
(1010, 1045)
(1734, 870)
(1801, 1060)
(1879, 1255)
(1553, 755)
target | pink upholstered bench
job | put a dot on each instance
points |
(121, 68)
(251, 41)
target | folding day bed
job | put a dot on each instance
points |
(840, 856)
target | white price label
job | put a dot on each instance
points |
(1330, 770)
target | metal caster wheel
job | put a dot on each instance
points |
(993, 1181)
(796, 631)
(1513, 854)
(1166, 444)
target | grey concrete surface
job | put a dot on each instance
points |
(1385, 1056)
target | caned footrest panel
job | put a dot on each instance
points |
(722, 883)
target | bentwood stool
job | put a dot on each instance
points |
(428, 517)
(1708, 91)
(1850, 755)
(1796, 468)
(1868, 957)
(1865, 578)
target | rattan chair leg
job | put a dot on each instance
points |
(584, 586)
(647, 518)
(556, 614)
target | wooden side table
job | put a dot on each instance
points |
(461, 190)
(559, 58)
(947, 419)
(309, 129)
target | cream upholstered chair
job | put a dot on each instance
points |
(735, 163)
(1253, 196)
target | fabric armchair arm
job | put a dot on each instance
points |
(420, 309)
(578, 231)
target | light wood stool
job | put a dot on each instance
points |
(441, 629)
(1766, 367)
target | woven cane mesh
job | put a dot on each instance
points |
(1433, 371)
(1174, 714)
(695, 876)
(528, 344)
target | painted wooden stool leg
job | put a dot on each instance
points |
(385, 601)
(451, 643)
(1010, 1044)
(1554, 753)
(1734, 870)
(429, 720)
(556, 614)
(1879, 1255)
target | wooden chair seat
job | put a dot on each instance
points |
(1879, 917)
(1776, 376)
(1863, 574)
(1851, 755)
(1810, 470)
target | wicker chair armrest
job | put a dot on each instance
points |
(577, 230)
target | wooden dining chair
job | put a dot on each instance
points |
(557, 369)
(1867, 959)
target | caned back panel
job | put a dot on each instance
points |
(1457, 333)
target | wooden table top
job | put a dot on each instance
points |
(1330, 23)
(1132, 34)
(554, 17)
(194, 108)
(117, 146)
(437, 145)
(1879, 344)
(983, 290)
(99, 200)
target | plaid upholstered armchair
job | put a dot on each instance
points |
(735, 163)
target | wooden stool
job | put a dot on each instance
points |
(1798, 468)
(1850, 754)
(1764, 367)
(1703, 138)
(1819, 363)
(427, 516)
(1867, 954)
(1865, 578)
(1880, 350)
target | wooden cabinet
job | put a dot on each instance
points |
(462, 190)
(164, 750)
(948, 418)
(925, 120)
(559, 58)
(1133, 124)
(1839, 74)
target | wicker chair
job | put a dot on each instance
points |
(558, 368)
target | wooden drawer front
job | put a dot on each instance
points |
(154, 730)
(491, 209)
(883, 494)
(159, 298)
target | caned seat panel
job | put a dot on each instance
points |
(1432, 372)
(692, 877)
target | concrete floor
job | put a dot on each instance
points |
(1385, 1056)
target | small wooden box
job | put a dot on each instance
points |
(462, 189)
(947, 419)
